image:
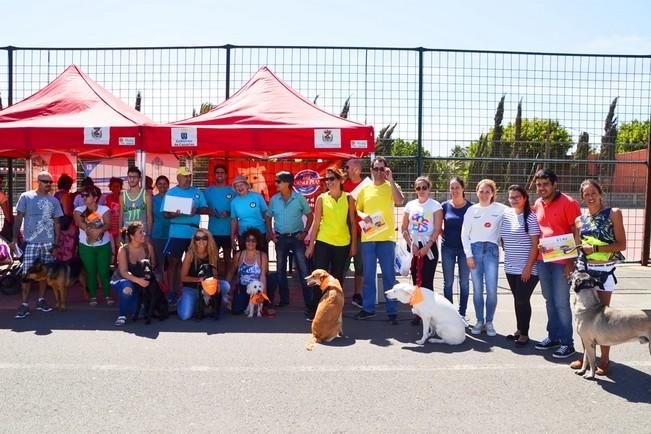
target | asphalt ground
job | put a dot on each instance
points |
(76, 372)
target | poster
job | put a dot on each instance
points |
(558, 247)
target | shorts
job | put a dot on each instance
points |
(34, 251)
(223, 241)
(176, 247)
(609, 284)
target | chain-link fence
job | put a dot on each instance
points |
(475, 114)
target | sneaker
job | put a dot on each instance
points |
(547, 344)
(120, 321)
(109, 301)
(42, 305)
(490, 330)
(393, 319)
(563, 352)
(364, 315)
(93, 301)
(357, 301)
(477, 328)
(23, 311)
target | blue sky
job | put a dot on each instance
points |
(554, 26)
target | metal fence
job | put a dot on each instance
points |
(477, 114)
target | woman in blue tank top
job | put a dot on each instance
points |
(600, 232)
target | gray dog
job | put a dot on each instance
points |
(602, 325)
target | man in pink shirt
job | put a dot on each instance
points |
(556, 213)
(353, 170)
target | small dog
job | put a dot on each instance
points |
(328, 322)
(603, 325)
(151, 296)
(257, 297)
(60, 276)
(437, 313)
(206, 301)
(256, 179)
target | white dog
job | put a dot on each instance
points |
(256, 299)
(438, 314)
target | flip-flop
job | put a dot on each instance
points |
(602, 371)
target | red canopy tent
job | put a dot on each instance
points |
(266, 118)
(71, 114)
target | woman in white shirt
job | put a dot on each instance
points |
(520, 234)
(480, 235)
(94, 221)
(421, 227)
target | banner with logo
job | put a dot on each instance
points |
(56, 163)
(97, 135)
(101, 171)
(327, 138)
(185, 136)
(262, 174)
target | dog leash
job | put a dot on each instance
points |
(419, 271)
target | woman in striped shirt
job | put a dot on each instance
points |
(520, 234)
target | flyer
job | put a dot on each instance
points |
(377, 226)
(558, 247)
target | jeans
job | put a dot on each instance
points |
(385, 252)
(522, 300)
(486, 256)
(556, 290)
(285, 245)
(450, 255)
(127, 303)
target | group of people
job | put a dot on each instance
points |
(351, 222)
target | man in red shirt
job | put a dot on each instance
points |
(353, 170)
(556, 213)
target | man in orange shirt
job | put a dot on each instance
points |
(556, 213)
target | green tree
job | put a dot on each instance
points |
(607, 150)
(582, 153)
(632, 136)
(538, 138)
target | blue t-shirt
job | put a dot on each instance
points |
(288, 216)
(161, 229)
(452, 222)
(249, 210)
(39, 214)
(219, 198)
(184, 226)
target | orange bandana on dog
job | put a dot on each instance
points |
(330, 281)
(260, 297)
(416, 296)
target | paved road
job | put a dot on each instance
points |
(75, 372)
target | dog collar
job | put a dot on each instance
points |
(416, 296)
(327, 282)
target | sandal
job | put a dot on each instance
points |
(120, 321)
(514, 337)
(602, 369)
(577, 364)
(522, 343)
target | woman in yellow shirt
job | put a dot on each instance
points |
(334, 232)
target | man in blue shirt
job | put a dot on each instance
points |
(219, 197)
(287, 209)
(182, 226)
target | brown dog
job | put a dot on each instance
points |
(327, 323)
(58, 275)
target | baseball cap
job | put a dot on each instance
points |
(183, 171)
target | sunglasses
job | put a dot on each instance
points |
(251, 240)
(419, 188)
(201, 238)
(345, 167)
(330, 178)
(45, 181)
(378, 169)
(278, 181)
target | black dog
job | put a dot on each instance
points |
(214, 302)
(151, 296)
